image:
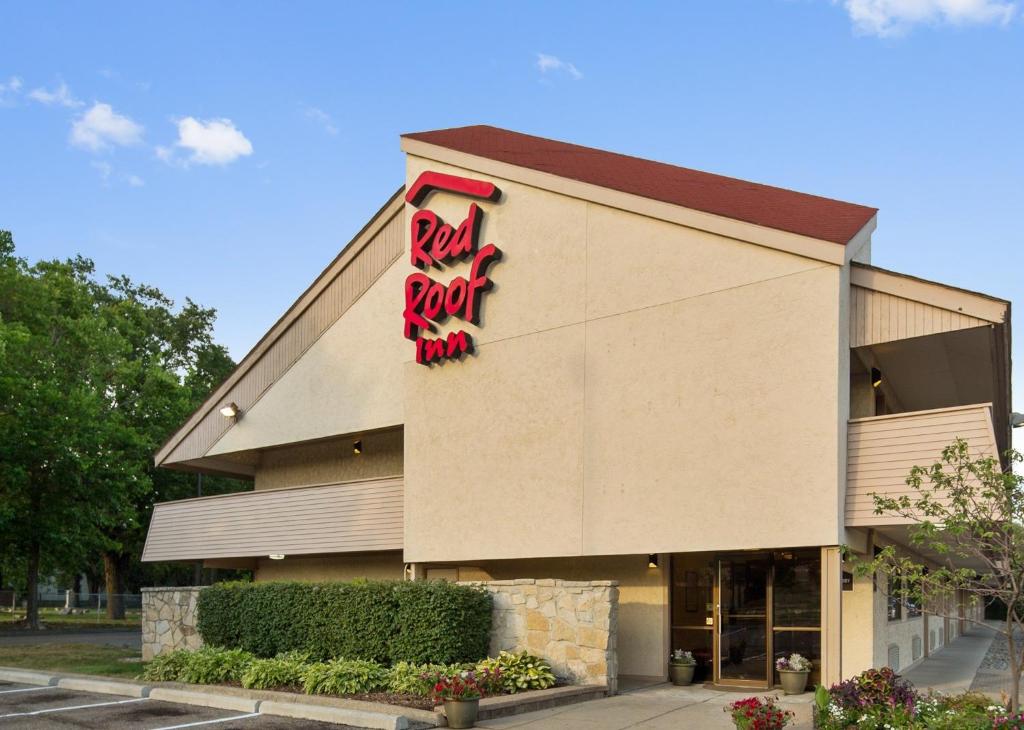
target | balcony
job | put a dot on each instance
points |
(882, 450)
(314, 520)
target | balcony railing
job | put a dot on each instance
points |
(330, 518)
(882, 450)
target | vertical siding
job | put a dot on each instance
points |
(347, 285)
(882, 450)
(334, 518)
(880, 317)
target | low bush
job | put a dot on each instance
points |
(344, 676)
(758, 713)
(520, 672)
(416, 679)
(284, 670)
(212, 665)
(879, 698)
(381, 621)
(166, 667)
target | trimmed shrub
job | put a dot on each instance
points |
(519, 672)
(441, 623)
(344, 676)
(381, 621)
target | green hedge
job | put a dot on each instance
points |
(382, 621)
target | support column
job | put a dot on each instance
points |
(831, 615)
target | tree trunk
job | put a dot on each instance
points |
(1014, 662)
(32, 610)
(76, 590)
(115, 585)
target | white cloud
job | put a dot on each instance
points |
(321, 117)
(101, 127)
(135, 181)
(210, 142)
(553, 64)
(887, 18)
(9, 88)
(60, 96)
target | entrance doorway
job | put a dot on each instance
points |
(738, 612)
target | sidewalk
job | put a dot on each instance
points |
(954, 668)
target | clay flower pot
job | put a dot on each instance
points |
(461, 713)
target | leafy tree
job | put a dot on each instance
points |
(93, 377)
(968, 513)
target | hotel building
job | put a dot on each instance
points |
(541, 360)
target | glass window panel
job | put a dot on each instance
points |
(697, 641)
(692, 586)
(804, 643)
(797, 589)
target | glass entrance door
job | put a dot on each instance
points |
(743, 601)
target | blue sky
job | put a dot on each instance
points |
(226, 151)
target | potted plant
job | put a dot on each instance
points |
(793, 673)
(758, 713)
(461, 695)
(680, 667)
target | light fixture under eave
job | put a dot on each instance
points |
(652, 560)
(230, 410)
(276, 556)
(1016, 420)
(357, 447)
(876, 377)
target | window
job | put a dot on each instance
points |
(895, 598)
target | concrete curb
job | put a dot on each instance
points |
(103, 686)
(204, 699)
(24, 676)
(339, 715)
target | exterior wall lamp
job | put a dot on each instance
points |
(230, 410)
(652, 560)
(876, 377)
(357, 447)
(276, 556)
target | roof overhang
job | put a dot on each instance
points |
(813, 248)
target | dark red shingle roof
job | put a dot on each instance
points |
(764, 205)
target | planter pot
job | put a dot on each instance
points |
(681, 674)
(461, 713)
(793, 683)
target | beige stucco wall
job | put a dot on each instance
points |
(638, 384)
(382, 566)
(331, 461)
(643, 600)
(348, 381)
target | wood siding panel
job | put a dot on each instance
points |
(348, 284)
(882, 450)
(333, 518)
(877, 317)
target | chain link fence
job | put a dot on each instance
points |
(58, 607)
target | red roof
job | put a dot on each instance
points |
(764, 205)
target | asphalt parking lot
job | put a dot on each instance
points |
(46, 708)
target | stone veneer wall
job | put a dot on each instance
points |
(169, 620)
(570, 623)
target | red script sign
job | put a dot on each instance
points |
(436, 244)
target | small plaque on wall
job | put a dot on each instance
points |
(847, 581)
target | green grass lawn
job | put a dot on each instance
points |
(53, 618)
(80, 658)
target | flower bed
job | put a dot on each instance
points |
(410, 685)
(880, 698)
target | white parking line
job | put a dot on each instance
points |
(210, 722)
(76, 707)
(25, 689)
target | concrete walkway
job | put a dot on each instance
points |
(953, 669)
(657, 707)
